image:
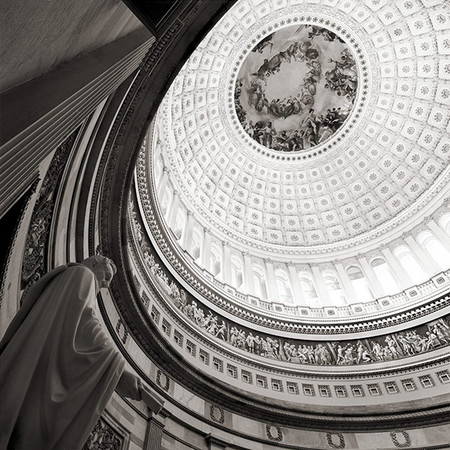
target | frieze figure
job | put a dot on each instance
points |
(366, 351)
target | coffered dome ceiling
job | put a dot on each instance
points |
(305, 175)
(300, 146)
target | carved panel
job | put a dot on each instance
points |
(104, 437)
(274, 433)
(4, 266)
(402, 442)
(34, 261)
(159, 382)
(336, 440)
(217, 413)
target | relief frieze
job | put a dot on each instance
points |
(388, 347)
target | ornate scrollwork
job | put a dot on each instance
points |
(331, 442)
(278, 437)
(396, 442)
(213, 415)
(34, 263)
(166, 385)
(104, 437)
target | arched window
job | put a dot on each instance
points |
(215, 259)
(197, 237)
(385, 276)
(409, 262)
(179, 224)
(259, 281)
(166, 197)
(283, 285)
(307, 284)
(436, 250)
(158, 168)
(236, 272)
(444, 222)
(334, 288)
(360, 284)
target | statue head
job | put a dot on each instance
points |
(103, 268)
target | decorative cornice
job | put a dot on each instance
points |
(367, 320)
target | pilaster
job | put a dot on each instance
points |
(324, 296)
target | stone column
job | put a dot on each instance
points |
(158, 163)
(187, 232)
(297, 292)
(205, 254)
(163, 184)
(248, 274)
(427, 264)
(168, 213)
(404, 279)
(226, 263)
(215, 443)
(272, 289)
(174, 209)
(349, 290)
(375, 285)
(323, 294)
(155, 427)
(440, 234)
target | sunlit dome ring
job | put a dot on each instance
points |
(295, 47)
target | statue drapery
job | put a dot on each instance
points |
(58, 368)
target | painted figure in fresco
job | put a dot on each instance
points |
(295, 141)
(268, 134)
(256, 96)
(326, 34)
(260, 46)
(249, 128)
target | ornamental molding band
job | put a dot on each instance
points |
(34, 261)
(156, 269)
(406, 343)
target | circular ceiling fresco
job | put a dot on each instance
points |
(296, 88)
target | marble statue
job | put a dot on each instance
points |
(58, 367)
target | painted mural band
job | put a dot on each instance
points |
(296, 88)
